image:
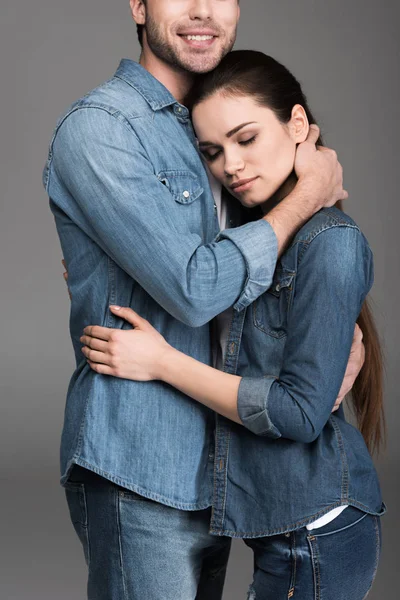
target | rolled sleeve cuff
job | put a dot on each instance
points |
(258, 244)
(252, 406)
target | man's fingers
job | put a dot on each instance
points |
(313, 134)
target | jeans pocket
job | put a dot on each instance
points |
(76, 499)
(345, 556)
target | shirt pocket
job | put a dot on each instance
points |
(184, 186)
(270, 310)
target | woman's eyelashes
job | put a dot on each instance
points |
(249, 141)
(211, 156)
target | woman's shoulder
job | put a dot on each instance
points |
(330, 237)
(325, 219)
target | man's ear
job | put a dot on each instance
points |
(138, 10)
(298, 124)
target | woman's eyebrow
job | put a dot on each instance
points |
(229, 134)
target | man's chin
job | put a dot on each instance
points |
(200, 64)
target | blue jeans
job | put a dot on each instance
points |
(335, 562)
(138, 549)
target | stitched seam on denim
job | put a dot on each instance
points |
(294, 526)
(239, 337)
(307, 242)
(86, 527)
(377, 538)
(215, 484)
(343, 457)
(112, 291)
(315, 564)
(80, 435)
(141, 491)
(226, 476)
(318, 535)
(121, 560)
(294, 567)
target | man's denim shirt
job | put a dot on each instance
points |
(138, 227)
(295, 461)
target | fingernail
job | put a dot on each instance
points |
(114, 306)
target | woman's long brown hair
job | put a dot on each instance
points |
(367, 392)
(254, 74)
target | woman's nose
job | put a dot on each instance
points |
(233, 165)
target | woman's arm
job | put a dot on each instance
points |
(334, 275)
(142, 354)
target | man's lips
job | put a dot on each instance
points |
(198, 38)
(243, 184)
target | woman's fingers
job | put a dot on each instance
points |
(102, 369)
(94, 343)
(95, 356)
(129, 315)
(95, 331)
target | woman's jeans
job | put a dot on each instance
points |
(335, 562)
(138, 549)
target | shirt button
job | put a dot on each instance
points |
(186, 194)
(287, 534)
(278, 287)
(179, 109)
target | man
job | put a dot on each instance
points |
(138, 227)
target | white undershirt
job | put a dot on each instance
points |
(223, 321)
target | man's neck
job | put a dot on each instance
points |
(176, 80)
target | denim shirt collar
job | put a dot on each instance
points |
(152, 90)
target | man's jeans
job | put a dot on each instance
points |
(138, 549)
(335, 562)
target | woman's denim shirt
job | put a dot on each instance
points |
(294, 460)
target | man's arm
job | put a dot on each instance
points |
(320, 184)
(116, 198)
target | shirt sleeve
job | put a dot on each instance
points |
(333, 278)
(114, 195)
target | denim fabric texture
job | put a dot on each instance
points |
(294, 461)
(138, 548)
(138, 227)
(337, 562)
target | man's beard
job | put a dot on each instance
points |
(168, 54)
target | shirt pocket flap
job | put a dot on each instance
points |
(183, 185)
(282, 281)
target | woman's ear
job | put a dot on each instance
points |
(298, 124)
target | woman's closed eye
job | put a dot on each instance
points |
(211, 155)
(248, 141)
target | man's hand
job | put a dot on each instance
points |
(354, 366)
(65, 275)
(319, 171)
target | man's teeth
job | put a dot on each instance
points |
(199, 38)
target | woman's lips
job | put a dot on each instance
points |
(243, 185)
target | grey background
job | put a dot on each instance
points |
(51, 52)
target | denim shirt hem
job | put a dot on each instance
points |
(190, 506)
(302, 522)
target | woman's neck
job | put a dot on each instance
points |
(280, 194)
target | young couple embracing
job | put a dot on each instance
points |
(216, 286)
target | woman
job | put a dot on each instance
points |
(292, 479)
